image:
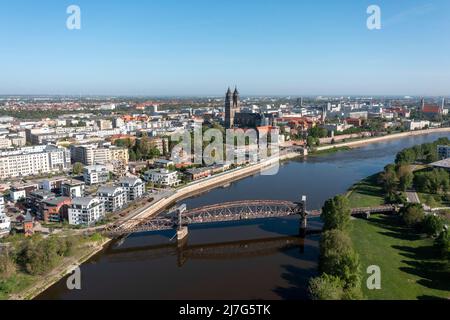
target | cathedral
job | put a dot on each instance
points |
(234, 118)
(232, 106)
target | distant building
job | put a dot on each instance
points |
(412, 125)
(86, 211)
(33, 161)
(114, 198)
(95, 174)
(443, 152)
(93, 154)
(198, 173)
(134, 187)
(434, 109)
(162, 177)
(232, 106)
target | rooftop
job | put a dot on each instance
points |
(442, 164)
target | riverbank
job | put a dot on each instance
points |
(66, 267)
(366, 141)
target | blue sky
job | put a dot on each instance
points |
(199, 47)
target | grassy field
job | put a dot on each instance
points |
(328, 151)
(409, 268)
(366, 193)
(433, 200)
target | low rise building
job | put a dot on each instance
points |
(73, 189)
(198, 173)
(413, 125)
(162, 177)
(114, 198)
(55, 210)
(134, 187)
(86, 211)
(95, 174)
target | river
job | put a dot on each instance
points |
(259, 259)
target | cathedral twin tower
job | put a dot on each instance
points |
(232, 106)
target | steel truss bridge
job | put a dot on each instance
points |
(224, 212)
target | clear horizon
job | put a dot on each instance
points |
(197, 48)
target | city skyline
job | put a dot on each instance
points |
(198, 48)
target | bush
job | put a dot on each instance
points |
(326, 287)
(413, 215)
(432, 225)
(7, 265)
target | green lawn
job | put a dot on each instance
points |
(366, 193)
(409, 268)
(433, 200)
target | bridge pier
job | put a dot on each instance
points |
(303, 217)
(182, 234)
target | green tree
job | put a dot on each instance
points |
(413, 215)
(78, 168)
(432, 225)
(7, 265)
(338, 258)
(388, 179)
(336, 213)
(442, 243)
(405, 178)
(326, 287)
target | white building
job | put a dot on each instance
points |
(95, 174)
(86, 211)
(17, 194)
(5, 222)
(162, 177)
(33, 161)
(134, 187)
(73, 189)
(412, 125)
(114, 198)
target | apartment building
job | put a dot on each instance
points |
(114, 198)
(72, 189)
(33, 161)
(95, 174)
(86, 211)
(134, 187)
(162, 177)
(93, 154)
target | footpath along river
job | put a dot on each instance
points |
(239, 260)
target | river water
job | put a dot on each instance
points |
(261, 259)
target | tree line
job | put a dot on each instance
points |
(339, 263)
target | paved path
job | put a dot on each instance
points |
(412, 197)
